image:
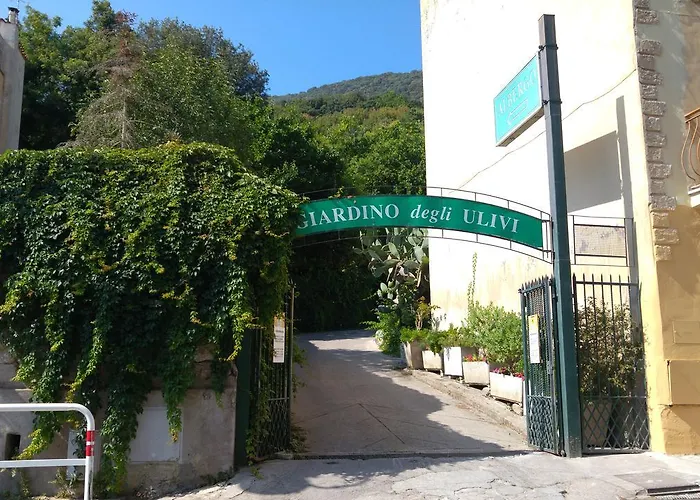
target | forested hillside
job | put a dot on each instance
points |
(408, 85)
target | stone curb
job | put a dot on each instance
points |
(473, 398)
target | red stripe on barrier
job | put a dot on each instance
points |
(89, 435)
(88, 450)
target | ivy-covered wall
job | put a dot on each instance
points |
(116, 265)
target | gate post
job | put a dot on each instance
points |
(244, 366)
(571, 414)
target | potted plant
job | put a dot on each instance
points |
(500, 337)
(414, 339)
(456, 349)
(475, 370)
(506, 385)
(432, 350)
(609, 356)
(413, 345)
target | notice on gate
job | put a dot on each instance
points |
(533, 332)
(280, 337)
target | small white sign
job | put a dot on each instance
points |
(280, 337)
(533, 323)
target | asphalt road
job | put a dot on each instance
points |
(354, 402)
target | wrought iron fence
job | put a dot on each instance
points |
(610, 349)
(541, 388)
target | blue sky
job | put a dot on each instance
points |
(302, 43)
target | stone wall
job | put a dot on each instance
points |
(157, 464)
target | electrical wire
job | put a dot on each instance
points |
(542, 133)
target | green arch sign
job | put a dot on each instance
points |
(434, 212)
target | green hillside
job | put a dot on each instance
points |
(408, 85)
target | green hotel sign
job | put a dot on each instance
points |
(519, 104)
(435, 212)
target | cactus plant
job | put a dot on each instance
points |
(400, 257)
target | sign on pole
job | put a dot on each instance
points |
(280, 338)
(568, 370)
(519, 104)
(533, 330)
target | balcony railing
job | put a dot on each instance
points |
(690, 155)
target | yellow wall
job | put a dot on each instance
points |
(672, 235)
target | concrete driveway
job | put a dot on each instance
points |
(355, 402)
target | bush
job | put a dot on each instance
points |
(117, 265)
(388, 331)
(610, 351)
(498, 333)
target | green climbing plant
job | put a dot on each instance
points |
(116, 266)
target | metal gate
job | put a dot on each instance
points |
(610, 349)
(540, 366)
(264, 393)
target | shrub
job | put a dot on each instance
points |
(610, 351)
(388, 331)
(498, 333)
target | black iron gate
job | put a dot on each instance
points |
(610, 349)
(540, 366)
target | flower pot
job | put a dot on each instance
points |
(506, 387)
(414, 355)
(453, 357)
(432, 361)
(476, 372)
(595, 419)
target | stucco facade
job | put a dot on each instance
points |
(628, 73)
(11, 82)
(157, 464)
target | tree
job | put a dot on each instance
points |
(64, 70)
(117, 266)
(394, 161)
(107, 120)
(288, 152)
(106, 64)
(46, 111)
(172, 95)
(243, 73)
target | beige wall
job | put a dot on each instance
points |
(12, 69)
(471, 49)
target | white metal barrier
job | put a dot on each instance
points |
(87, 462)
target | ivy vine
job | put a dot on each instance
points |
(117, 265)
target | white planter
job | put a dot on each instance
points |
(506, 387)
(453, 357)
(414, 354)
(432, 361)
(476, 372)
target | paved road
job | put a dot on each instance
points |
(536, 476)
(354, 402)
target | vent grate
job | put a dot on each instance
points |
(690, 492)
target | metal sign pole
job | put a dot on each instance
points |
(568, 371)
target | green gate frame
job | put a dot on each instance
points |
(542, 386)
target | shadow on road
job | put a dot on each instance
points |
(355, 402)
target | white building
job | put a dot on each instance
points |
(629, 74)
